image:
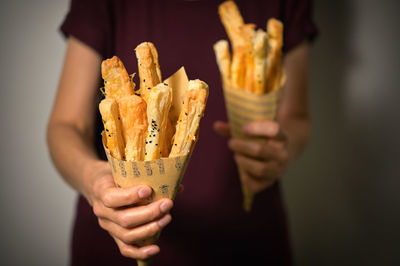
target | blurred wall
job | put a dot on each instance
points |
(341, 195)
(36, 205)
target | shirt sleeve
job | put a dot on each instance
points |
(90, 22)
(298, 23)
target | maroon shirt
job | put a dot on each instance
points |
(209, 226)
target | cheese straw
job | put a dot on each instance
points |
(189, 118)
(112, 126)
(158, 104)
(134, 126)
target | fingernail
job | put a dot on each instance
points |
(151, 251)
(166, 206)
(164, 221)
(144, 192)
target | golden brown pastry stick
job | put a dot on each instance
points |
(274, 59)
(147, 69)
(238, 67)
(116, 78)
(189, 118)
(169, 139)
(134, 126)
(155, 58)
(158, 104)
(112, 127)
(221, 49)
(232, 20)
(260, 47)
(248, 33)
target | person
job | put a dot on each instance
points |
(209, 226)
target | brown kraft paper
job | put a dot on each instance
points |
(244, 107)
(163, 175)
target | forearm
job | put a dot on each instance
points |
(73, 155)
(293, 113)
(297, 130)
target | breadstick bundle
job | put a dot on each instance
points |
(149, 133)
(252, 74)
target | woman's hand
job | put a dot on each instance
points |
(262, 159)
(117, 213)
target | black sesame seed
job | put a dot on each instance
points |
(175, 144)
(150, 141)
(107, 130)
(109, 136)
(144, 80)
(158, 130)
(146, 142)
(145, 153)
(154, 135)
(165, 84)
(185, 113)
(119, 118)
(156, 144)
(148, 88)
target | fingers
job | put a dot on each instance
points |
(261, 150)
(135, 252)
(135, 216)
(222, 128)
(265, 128)
(259, 169)
(114, 197)
(137, 234)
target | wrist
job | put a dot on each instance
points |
(92, 172)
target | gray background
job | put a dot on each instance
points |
(341, 195)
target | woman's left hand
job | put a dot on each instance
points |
(262, 159)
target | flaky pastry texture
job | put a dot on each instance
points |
(274, 59)
(116, 79)
(221, 49)
(134, 126)
(147, 66)
(189, 118)
(112, 127)
(158, 105)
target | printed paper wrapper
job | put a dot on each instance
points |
(163, 175)
(244, 107)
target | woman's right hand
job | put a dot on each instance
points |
(118, 214)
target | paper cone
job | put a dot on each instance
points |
(244, 107)
(163, 175)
